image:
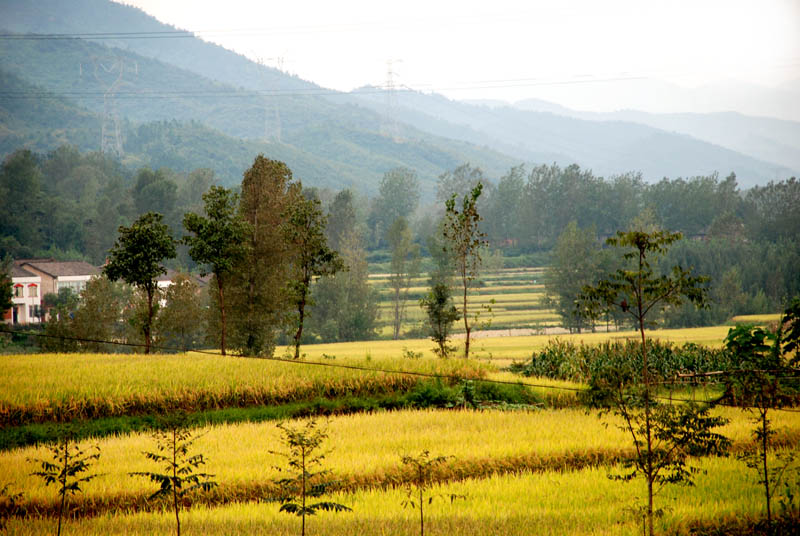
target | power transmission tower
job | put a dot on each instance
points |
(109, 72)
(389, 127)
(272, 113)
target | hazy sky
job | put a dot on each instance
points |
(587, 54)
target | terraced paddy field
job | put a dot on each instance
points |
(515, 468)
(534, 464)
(516, 297)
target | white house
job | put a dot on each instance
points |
(26, 297)
(31, 279)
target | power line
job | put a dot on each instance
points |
(368, 369)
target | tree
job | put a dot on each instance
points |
(422, 472)
(459, 182)
(341, 219)
(404, 267)
(345, 304)
(397, 198)
(759, 381)
(6, 291)
(98, 313)
(441, 313)
(306, 480)
(68, 461)
(136, 259)
(181, 322)
(179, 478)
(573, 265)
(304, 229)
(663, 435)
(218, 242)
(464, 240)
(258, 303)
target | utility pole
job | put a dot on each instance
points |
(389, 126)
(272, 113)
(109, 71)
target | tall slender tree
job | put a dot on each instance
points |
(311, 256)
(663, 435)
(218, 242)
(464, 240)
(404, 267)
(258, 291)
(136, 259)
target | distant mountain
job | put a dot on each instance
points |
(765, 138)
(607, 146)
(333, 140)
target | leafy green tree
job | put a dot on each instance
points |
(64, 469)
(181, 321)
(6, 290)
(179, 479)
(464, 240)
(259, 301)
(99, 313)
(760, 382)
(345, 304)
(398, 197)
(60, 309)
(341, 219)
(312, 257)
(441, 314)
(136, 259)
(218, 242)
(459, 183)
(306, 480)
(663, 435)
(422, 469)
(404, 267)
(574, 264)
(154, 191)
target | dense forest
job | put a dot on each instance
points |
(67, 204)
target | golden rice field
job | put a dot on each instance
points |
(42, 386)
(366, 447)
(552, 489)
(551, 503)
(507, 348)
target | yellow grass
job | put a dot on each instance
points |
(756, 319)
(369, 445)
(551, 503)
(31, 379)
(519, 347)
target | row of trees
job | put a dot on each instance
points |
(265, 249)
(68, 204)
(745, 277)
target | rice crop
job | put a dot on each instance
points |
(60, 387)
(551, 503)
(366, 449)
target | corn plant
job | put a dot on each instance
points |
(179, 478)
(422, 469)
(64, 468)
(303, 483)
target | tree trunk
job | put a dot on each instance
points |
(466, 322)
(148, 325)
(175, 480)
(765, 467)
(221, 312)
(301, 310)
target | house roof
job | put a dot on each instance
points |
(66, 268)
(18, 271)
